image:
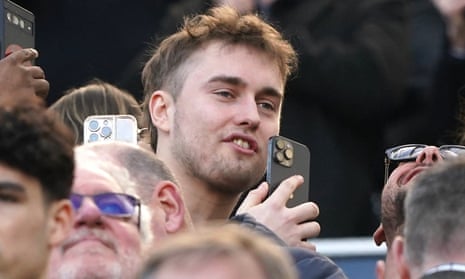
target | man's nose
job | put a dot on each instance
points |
(249, 114)
(88, 214)
(429, 155)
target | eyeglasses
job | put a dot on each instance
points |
(111, 204)
(410, 152)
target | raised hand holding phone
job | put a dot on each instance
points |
(294, 223)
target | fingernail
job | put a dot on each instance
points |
(35, 53)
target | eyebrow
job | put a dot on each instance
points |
(269, 91)
(12, 186)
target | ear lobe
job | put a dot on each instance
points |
(159, 105)
(172, 203)
(379, 236)
(60, 221)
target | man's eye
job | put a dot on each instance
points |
(224, 93)
(267, 105)
(4, 197)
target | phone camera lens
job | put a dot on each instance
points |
(289, 154)
(93, 137)
(106, 132)
(280, 144)
(279, 157)
(93, 125)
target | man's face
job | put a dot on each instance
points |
(400, 180)
(24, 231)
(98, 246)
(229, 106)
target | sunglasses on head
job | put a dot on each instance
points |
(111, 204)
(410, 152)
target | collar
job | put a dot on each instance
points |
(446, 267)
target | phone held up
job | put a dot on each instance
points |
(17, 27)
(286, 158)
(122, 127)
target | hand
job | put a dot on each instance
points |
(453, 12)
(293, 225)
(19, 76)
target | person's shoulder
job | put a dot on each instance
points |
(311, 265)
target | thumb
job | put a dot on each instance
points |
(254, 197)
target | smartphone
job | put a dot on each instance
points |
(121, 127)
(17, 26)
(286, 158)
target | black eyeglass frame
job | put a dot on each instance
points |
(135, 202)
(388, 154)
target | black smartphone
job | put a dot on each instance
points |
(286, 158)
(17, 26)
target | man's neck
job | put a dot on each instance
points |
(203, 202)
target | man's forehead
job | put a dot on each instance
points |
(94, 180)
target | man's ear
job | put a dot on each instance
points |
(400, 263)
(379, 236)
(160, 104)
(60, 221)
(169, 197)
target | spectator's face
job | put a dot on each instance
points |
(228, 108)
(99, 246)
(25, 226)
(406, 171)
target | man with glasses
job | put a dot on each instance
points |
(110, 178)
(406, 162)
(106, 240)
(433, 244)
(36, 173)
(154, 184)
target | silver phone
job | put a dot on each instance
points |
(122, 127)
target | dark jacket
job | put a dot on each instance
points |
(309, 264)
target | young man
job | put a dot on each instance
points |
(433, 245)
(36, 173)
(409, 161)
(213, 96)
(214, 92)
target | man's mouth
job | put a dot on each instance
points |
(242, 143)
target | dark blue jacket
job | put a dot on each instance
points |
(310, 265)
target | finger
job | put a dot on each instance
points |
(41, 87)
(309, 230)
(12, 48)
(307, 245)
(37, 72)
(305, 212)
(254, 197)
(25, 56)
(285, 190)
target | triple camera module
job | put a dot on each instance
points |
(284, 153)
